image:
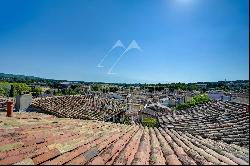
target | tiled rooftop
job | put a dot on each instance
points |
(80, 107)
(3, 104)
(224, 121)
(32, 138)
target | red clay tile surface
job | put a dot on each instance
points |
(32, 138)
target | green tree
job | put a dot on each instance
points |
(96, 88)
(199, 99)
(2, 92)
(127, 120)
(12, 91)
(149, 122)
(37, 91)
(5, 88)
(113, 89)
(19, 88)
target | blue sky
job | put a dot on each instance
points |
(182, 40)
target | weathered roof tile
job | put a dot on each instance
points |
(127, 154)
(143, 153)
(171, 158)
(46, 156)
(156, 155)
(90, 142)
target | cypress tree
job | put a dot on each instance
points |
(12, 90)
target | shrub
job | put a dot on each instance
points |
(199, 99)
(127, 120)
(149, 122)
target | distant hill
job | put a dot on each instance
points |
(22, 78)
(31, 79)
(3, 75)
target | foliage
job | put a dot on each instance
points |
(67, 91)
(113, 89)
(76, 89)
(236, 86)
(149, 122)
(104, 88)
(2, 92)
(199, 99)
(4, 88)
(26, 79)
(172, 87)
(19, 88)
(96, 87)
(13, 89)
(127, 120)
(57, 93)
(37, 91)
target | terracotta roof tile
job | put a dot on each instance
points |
(79, 107)
(27, 161)
(171, 158)
(31, 138)
(111, 151)
(181, 154)
(46, 156)
(143, 154)
(127, 154)
(12, 159)
(230, 123)
(208, 150)
(156, 155)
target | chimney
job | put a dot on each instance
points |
(10, 108)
